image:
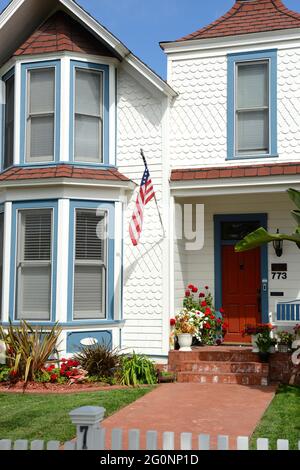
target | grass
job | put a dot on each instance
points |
(282, 419)
(45, 416)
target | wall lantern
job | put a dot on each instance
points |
(278, 246)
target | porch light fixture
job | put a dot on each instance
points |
(278, 246)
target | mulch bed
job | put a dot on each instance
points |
(35, 387)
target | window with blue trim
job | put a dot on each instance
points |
(91, 268)
(252, 105)
(40, 114)
(8, 148)
(89, 132)
(33, 261)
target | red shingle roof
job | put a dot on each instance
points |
(61, 33)
(62, 171)
(236, 171)
(249, 16)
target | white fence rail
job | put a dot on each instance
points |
(92, 436)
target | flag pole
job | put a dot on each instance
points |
(159, 214)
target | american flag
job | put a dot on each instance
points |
(145, 194)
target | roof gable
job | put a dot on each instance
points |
(249, 16)
(59, 33)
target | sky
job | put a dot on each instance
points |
(142, 24)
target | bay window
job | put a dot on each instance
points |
(34, 264)
(89, 265)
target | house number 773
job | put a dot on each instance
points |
(279, 275)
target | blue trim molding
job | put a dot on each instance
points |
(75, 64)
(218, 243)
(24, 73)
(48, 204)
(109, 207)
(232, 60)
(4, 78)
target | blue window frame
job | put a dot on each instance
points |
(109, 209)
(25, 68)
(78, 65)
(219, 242)
(7, 119)
(268, 57)
(32, 206)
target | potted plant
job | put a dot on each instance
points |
(251, 330)
(264, 342)
(187, 325)
(285, 340)
(255, 331)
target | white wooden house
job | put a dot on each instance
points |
(222, 132)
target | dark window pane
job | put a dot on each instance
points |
(238, 230)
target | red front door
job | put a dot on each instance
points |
(241, 280)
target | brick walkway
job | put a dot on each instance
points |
(213, 409)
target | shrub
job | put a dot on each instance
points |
(98, 360)
(4, 373)
(137, 369)
(28, 348)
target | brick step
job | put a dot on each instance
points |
(241, 379)
(220, 367)
(176, 357)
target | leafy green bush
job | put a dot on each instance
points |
(137, 369)
(28, 348)
(4, 373)
(98, 360)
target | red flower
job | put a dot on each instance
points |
(201, 294)
(225, 326)
(172, 321)
(53, 377)
(187, 293)
(194, 289)
(206, 287)
(63, 359)
(191, 286)
(219, 321)
(207, 311)
(221, 310)
(203, 303)
(207, 326)
(212, 317)
(13, 373)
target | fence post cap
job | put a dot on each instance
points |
(87, 415)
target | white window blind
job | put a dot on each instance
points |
(9, 122)
(41, 115)
(88, 115)
(34, 264)
(90, 265)
(252, 108)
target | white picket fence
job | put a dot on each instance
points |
(92, 436)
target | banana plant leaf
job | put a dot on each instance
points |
(261, 236)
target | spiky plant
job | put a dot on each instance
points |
(98, 360)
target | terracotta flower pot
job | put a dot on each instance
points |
(185, 342)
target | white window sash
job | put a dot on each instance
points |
(238, 111)
(30, 115)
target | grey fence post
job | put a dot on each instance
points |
(87, 420)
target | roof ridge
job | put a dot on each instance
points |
(287, 12)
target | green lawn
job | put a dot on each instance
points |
(33, 416)
(282, 418)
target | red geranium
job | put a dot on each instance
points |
(203, 303)
(187, 293)
(221, 310)
(207, 325)
(172, 321)
(206, 287)
(191, 286)
(53, 377)
(201, 294)
(194, 289)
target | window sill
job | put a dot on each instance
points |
(72, 324)
(251, 157)
(58, 163)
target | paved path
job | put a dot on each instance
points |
(213, 409)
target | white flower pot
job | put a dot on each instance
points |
(253, 341)
(185, 341)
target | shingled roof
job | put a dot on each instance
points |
(249, 16)
(63, 171)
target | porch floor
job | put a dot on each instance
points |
(214, 409)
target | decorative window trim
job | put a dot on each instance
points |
(108, 207)
(17, 206)
(232, 59)
(105, 138)
(56, 64)
(4, 79)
